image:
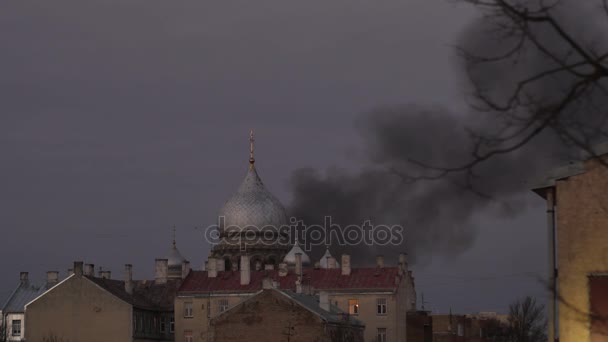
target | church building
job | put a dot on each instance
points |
(248, 261)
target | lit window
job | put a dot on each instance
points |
(172, 325)
(381, 335)
(353, 306)
(188, 309)
(16, 331)
(188, 336)
(223, 304)
(381, 304)
(460, 330)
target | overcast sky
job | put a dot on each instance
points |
(119, 119)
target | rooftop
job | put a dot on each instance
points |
(322, 279)
(146, 294)
(25, 293)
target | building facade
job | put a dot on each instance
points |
(248, 259)
(12, 317)
(277, 315)
(577, 217)
(86, 307)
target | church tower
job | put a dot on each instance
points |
(249, 224)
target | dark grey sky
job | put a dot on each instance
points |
(121, 118)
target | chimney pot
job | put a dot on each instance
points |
(345, 264)
(89, 270)
(299, 265)
(52, 277)
(282, 269)
(185, 269)
(24, 277)
(212, 268)
(78, 268)
(161, 270)
(245, 270)
(129, 278)
(380, 261)
(331, 262)
(221, 265)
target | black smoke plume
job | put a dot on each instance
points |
(440, 215)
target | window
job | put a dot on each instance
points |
(460, 330)
(381, 335)
(223, 304)
(188, 309)
(353, 306)
(16, 331)
(162, 325)
(381, 304)
(188, 336)
(172, 325)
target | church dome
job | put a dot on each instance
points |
(290, 258)
(175, 258)
(252, 205)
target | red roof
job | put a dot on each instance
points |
(322, 279)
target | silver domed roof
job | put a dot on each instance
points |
(323, 261)
(290, 258)
(175, 258)
(253, 205)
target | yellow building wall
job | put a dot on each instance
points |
(198, 324)
(582, 245)
(77, 310)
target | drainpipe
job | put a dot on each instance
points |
(552, 269)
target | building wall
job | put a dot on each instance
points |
(265, 318)
(78, 310)
(9, 324)
(368, 312)
(204, 307)
(582, 245)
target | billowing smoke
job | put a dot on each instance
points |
(439, 215)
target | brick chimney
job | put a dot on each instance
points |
(161, 269)
(345, 264)
(52, 278)
(324, 301)
(221, 265)
(24, 278)
(106, 274)
(129, 278)
(299, 264)
(282, 269)
(89, 270)
(212, 268)
(380, 261)
(70, 271)
(245, 270)
(185, 268)
(78, 268)
(331, 262)
(403, 263)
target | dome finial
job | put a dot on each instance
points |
(173, 236)
(251, 140)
